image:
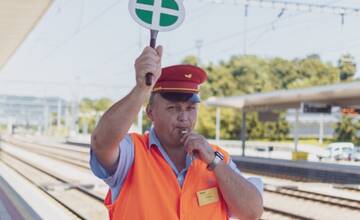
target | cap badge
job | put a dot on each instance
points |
(188, 75)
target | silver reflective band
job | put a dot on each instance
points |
(218, 157)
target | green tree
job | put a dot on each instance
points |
(277, 130)
(347, 67)
(101, 105)
(146, 122)
(90, 110)
(346, 130)
(206, 121)
(283, 73)
(242, 75)
(193, 60)
(250, 74)
(313, 72)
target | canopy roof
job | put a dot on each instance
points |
(17, 19)
(343, 95)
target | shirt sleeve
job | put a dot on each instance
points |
(256, 181)
(124, 162)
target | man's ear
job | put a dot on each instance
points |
(149, 112)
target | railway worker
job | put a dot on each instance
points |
(170, 172)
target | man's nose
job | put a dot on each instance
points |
(182, 115)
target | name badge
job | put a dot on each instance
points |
(208, 196)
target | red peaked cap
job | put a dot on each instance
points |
(180, 79)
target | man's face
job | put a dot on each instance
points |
(170, 119)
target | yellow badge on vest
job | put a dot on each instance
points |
(208, 196)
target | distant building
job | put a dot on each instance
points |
(314, 125)
(32, 111)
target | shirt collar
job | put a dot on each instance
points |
(154, 141)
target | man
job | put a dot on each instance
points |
(171, 172)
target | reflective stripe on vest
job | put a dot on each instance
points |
(151, 190)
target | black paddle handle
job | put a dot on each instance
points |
(148, 77)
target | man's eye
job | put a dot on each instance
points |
(170, 107)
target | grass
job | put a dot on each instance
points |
(312, 141)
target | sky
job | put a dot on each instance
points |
(87, 48)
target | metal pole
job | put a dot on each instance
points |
(76, 117)
(58, 121)
(198, 45)
(46, 115)
(321, 129)
(217, 132)
(245, 28)
(243, 132)
(85, 127)
(296, 132)
(139, 121)
(97, 117)
(10, 125)
(67, 119)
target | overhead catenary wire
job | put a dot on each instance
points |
(110, 59)
(268, 30)
(205, 43)
(261, 35)
(283, 9)
(84, 27)
(253, 3)
(227, 37)
(290, 5)
(81, 15)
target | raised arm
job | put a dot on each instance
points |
(116, 121)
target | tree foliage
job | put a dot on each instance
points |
(347, 130)
(90, 111)
(347, 67)
(242, 75)
(251, 74)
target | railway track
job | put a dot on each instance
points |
(76, 199)
(60, 154)
(316, 197)
(352, 188)
(348, 188)
(67, 147)
(47, 151)
(279, 176)
(64, 148)
(269, 212)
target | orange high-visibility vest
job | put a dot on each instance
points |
(151, 190)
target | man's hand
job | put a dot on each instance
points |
(198, 146)
(148, 62)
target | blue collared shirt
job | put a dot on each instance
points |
(126, 159)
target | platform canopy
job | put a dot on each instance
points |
(342, 94)
(17, 19)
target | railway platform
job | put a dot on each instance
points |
(11, 204)
(301, 170)
(283, 166)
(19, 200)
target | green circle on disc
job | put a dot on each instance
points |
(161, 15)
